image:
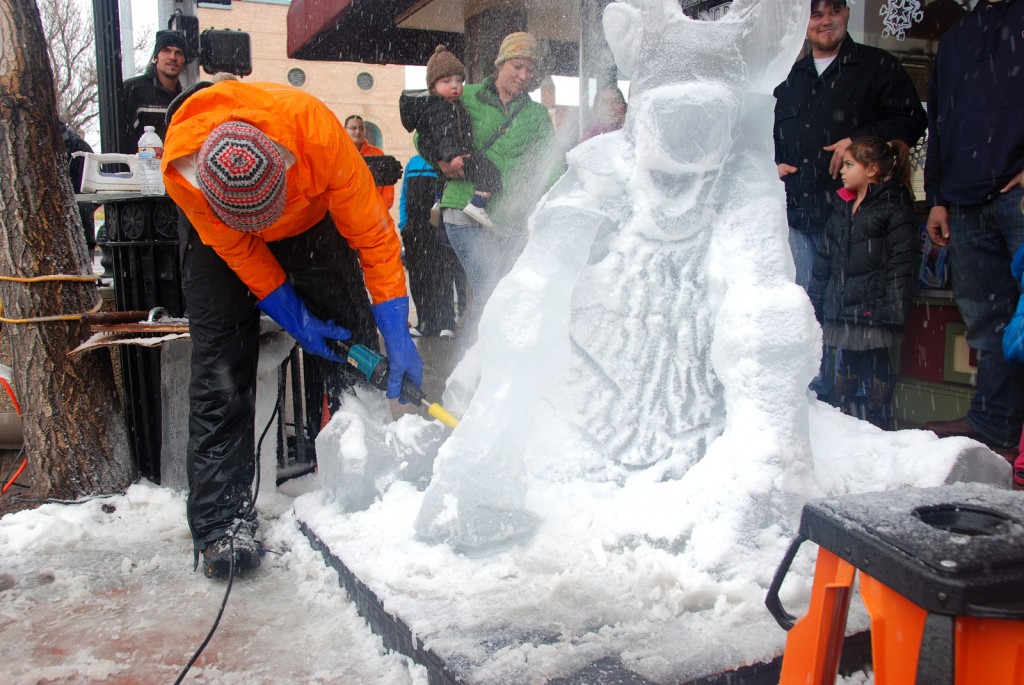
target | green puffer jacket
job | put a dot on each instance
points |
(520, 154)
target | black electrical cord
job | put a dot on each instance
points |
(10, 479)
(231, 550)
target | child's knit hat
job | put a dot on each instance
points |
(443, 63)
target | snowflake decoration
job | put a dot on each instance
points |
(900, 15)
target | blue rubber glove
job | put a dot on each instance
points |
(284, 306)
(392, 317)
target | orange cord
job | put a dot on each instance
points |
(325, 413)
(24, 460)
(10, 393)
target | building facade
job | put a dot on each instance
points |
(369, 90)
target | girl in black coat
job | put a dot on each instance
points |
(864, 274)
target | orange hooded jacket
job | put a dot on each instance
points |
(328, 176)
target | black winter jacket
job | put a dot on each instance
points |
(867, 263)
(864, 92)
(444, 127)
(976, 106)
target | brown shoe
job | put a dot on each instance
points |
(1010, 454)
(962, 428)
(955, 427)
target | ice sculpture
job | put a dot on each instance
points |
(652, 321)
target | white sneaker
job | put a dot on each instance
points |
(415, 332)
(478, 214)
(435, 215)
(446, 334)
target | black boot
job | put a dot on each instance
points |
(240, 543)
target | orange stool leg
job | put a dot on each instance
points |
(814, 644)
(897, 626)
(989, 651)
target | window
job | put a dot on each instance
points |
(373, 134)
(364, 80)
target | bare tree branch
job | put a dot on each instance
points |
(70, 44)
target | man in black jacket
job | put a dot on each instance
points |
(974, 183)
(145, 98)
(840, 91)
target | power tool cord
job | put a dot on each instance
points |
(231, 540)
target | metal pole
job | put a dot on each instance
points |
(127, 38)
(108, 73)
(581, 71)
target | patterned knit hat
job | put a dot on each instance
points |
(443, 63)
(242, 174)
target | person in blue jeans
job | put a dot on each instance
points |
(974, 173)
(839, 91)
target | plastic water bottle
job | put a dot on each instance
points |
(151, 151)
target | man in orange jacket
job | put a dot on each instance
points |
(274, 198)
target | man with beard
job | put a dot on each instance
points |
(145, 98)
(840, 91)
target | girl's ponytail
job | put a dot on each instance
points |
(892, 158)
(900, 170)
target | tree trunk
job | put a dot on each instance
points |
(75, 435)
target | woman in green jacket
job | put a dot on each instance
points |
(526, 154)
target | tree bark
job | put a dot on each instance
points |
(76, 440)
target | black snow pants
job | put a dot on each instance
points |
(224, 326)
(435, 275)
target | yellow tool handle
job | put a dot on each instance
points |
(442, 415)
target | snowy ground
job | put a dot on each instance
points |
(104, 592)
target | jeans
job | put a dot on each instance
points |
(983, 240)
(804, 247)
(485, 257)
